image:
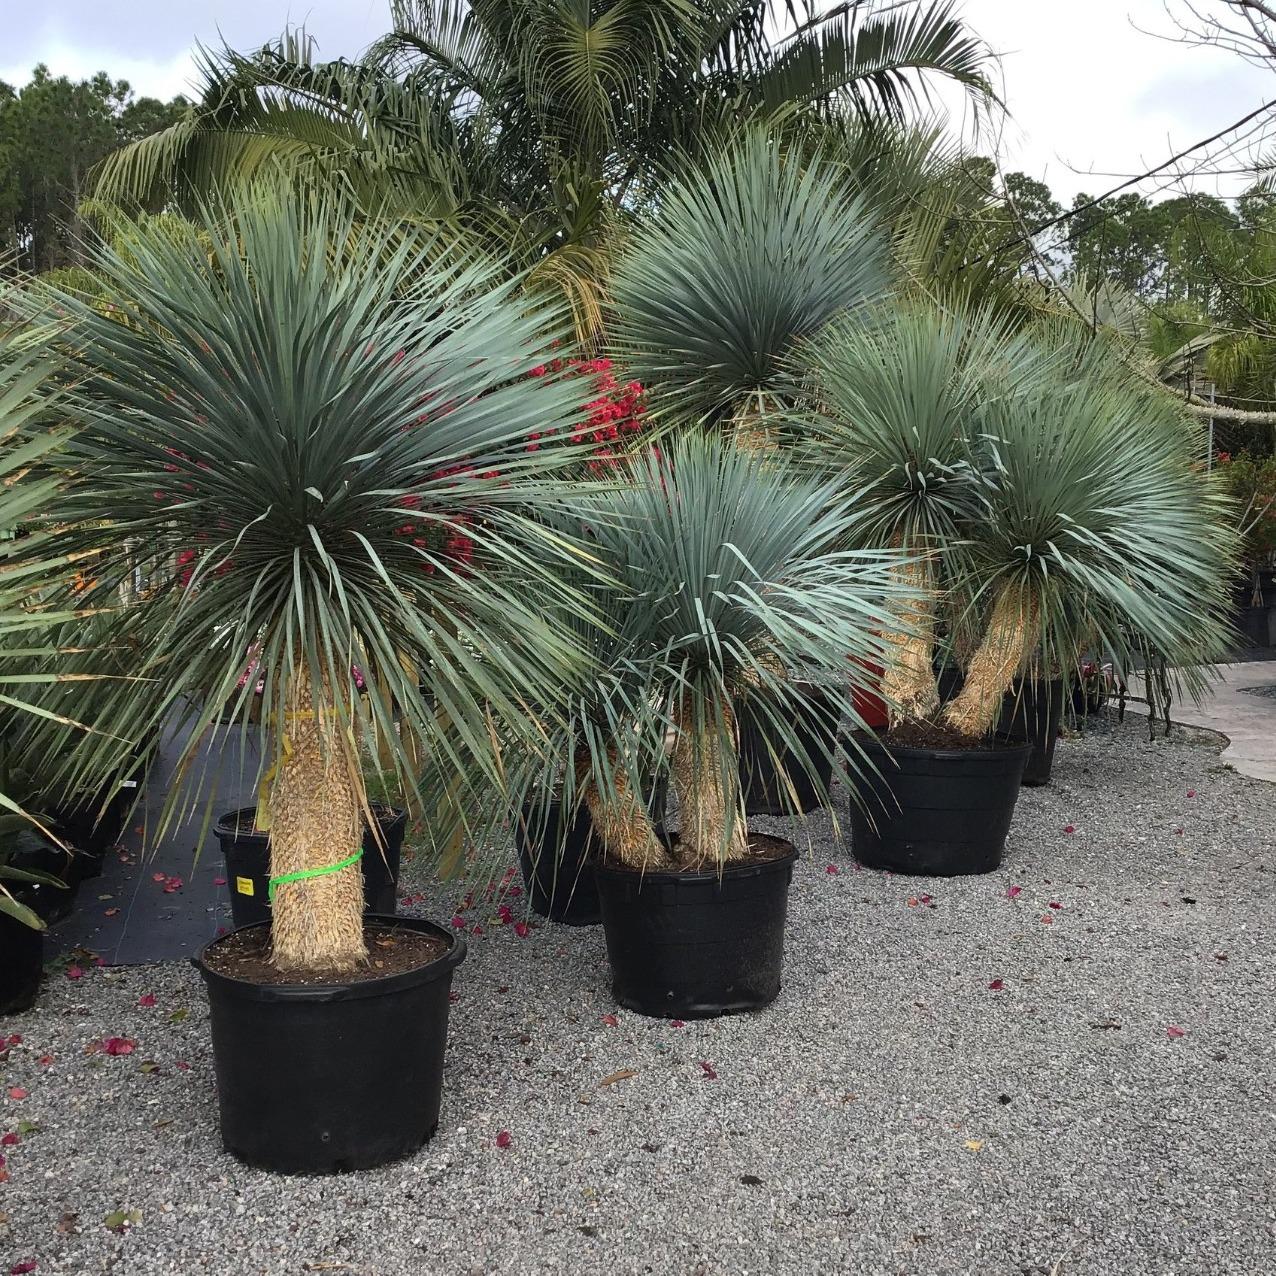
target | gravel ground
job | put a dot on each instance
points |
(1107, 1108)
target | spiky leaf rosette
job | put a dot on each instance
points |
(747, 256)
(735, 585)
(306, 432)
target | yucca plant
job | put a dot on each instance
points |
(306, 430)
(748, 255)
(733, 584)
(1052, 492)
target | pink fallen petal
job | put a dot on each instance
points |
(219, 881)
(118, 1045)
(15, 1039)
(925, 899)
(146, 1000)
(610, 1020)
(677, 1023)
(707, 1069)
(1054, 903)
(1069, 828)
(996, 985)
(1191, 792)
(1174, 1033)
(1013, 892)
(24, 1267)
(516, 891)
(459, 922)
(454, 997)
(181, 1065)
(159, 877)
(17, 1093)
(173, 884)
(74, 972)
(9, 1140)
(1047, 920)
(44, 1060)
(503, 1139)
(522, 930)
(476, 929)
(832, 870)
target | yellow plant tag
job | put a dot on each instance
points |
(244, 885)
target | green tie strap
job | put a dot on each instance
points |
(302, 873)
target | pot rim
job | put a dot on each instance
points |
(733, 872)
(229, 821)
(377, 986)
(877, 745)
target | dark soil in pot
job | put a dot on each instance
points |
(694, 945)
(1033, 711)
(790, 787)
(21, 964)
(559, 872)
(937, 812)
(342, 1074)
(247, 852)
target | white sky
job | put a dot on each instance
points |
(1090, 95)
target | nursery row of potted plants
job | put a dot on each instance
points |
(339, 444)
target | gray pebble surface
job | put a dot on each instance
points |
(891, 1114)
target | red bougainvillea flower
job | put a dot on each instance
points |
(1069, 828)
(1013, 892)
(1191, 792)
(24, 1267)
(459, 922)
(15, 1039)
(522, 930)
(44, 1060)
(181, 1065)
(677, 1023)
(832, 870)
(9, 1140)
(74, 972)
(17, 1093)
(146, 1000)
(707, 1069)
(996, 985)
(1054, 903)
(503, 1139)
(1174, 1033)
(1047, 920)
(118, 1045)
(610, 1020)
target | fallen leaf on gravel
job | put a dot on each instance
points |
(1013, 892)
(122, 1220)
(610, 1020)
(178, 1015)
(17, 1093)
(1174, 1033)
(146, 1000)
(27, 1127)
(1220, 956)
(149, 1066)
(67, 1224)
(707, 1069)
(1106, 1023)
(503, 1139)
(974, 1144)
(623, 1075)
(996, 986)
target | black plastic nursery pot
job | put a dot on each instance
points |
(558, 874)
(696, 945)
(935, 812)
(326, 1078)
(247, 852)
(21, 964)
(766, 787)
(36, 854)
(1033, 711)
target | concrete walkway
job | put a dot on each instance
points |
(1247, 719)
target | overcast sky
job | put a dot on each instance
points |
(1090, 94)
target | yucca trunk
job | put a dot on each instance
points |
(621, 819)
(1009, 640)
(707, 782)
(752, 431)
(316, 821)
(909, 686)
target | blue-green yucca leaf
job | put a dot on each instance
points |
(307, 432)
(745, 257)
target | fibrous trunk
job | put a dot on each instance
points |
(707, 781)
(1011, 637)
(621, 819)
(315, 822)
(909, 686)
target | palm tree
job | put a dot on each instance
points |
(538, 124)
(1053, 492)
(307, 431)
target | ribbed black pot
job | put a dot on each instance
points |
(1032, 711)
(325, 1078)
(79, 824)
(935, 812)
(247, 852)
(36, 854)
(558, 871)
(21, 964)
(696, 945)
(763, 785)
